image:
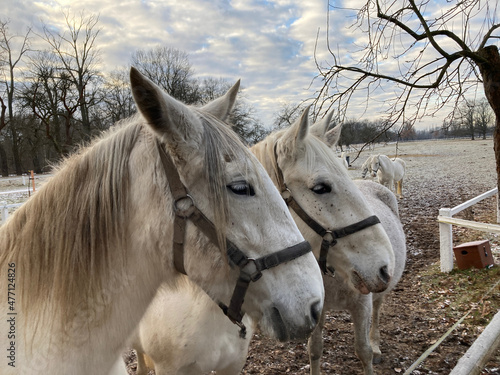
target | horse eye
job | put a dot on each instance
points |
(321, 189)
(241, 188)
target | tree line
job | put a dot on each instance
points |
(56, 99)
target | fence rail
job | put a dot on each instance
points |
(446, 220)
(474, 360)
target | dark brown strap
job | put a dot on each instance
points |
(251, 270)
(178, 192)
(330, 238)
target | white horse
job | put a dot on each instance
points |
(320, 184)
(362, 307)
(82, 259)
(366, 168)
(390, 173)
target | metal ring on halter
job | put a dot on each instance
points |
(254, 274)
(286, 195)
(184, 212)
(329, 238)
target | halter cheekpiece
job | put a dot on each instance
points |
(250, 268)
(329, 236)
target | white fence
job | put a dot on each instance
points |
(446, 220)
(479, 353)
(473, 362)
(4, 207)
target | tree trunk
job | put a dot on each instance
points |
(15, 151)
(490, 72)
(4, 166)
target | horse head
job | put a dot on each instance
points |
(330, 204)
(254, 229)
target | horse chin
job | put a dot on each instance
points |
(275, 326)
(364, 286)
(279, 326)
(359, 284)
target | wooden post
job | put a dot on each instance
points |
(446, 242)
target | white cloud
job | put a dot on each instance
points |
(269, 44)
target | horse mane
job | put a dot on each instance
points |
(62, 236)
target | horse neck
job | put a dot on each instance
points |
(264, 152)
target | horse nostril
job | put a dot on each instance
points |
(316, 311)
(384, 275)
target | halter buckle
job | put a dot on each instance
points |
(253, 272)
(330, 271)
(182, 209)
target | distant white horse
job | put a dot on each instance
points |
(366, 168)
(83, 257)
(340, 296)
(184, 343)
(390, 173)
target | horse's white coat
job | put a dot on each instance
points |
(82, 332)
(390, 173)
(363, 308)
(199, 349)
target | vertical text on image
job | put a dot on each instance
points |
(11, 315)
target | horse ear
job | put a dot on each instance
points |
(332, 136)
(166, 115)
(300, 128)
(320, 127)
(221, 107)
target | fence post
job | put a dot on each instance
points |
(445, 242)
(5, 211)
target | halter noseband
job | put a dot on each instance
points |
(250, 268)
(329, 236)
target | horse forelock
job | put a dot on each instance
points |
(63, 236)
(221, 145)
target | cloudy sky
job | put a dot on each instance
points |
(269, 44)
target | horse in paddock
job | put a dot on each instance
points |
(339, 295)
(366, 168)
(390, 173)
(170, 191)
(317, 181)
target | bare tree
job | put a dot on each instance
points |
(171, 70)
(466, 117)
(49, 94)
(483, 117)
(11, 54)
(78, 54)
(118, 102)
(439, 57)
(287, 114)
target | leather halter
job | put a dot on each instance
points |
(329, 236)
(250, 268)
